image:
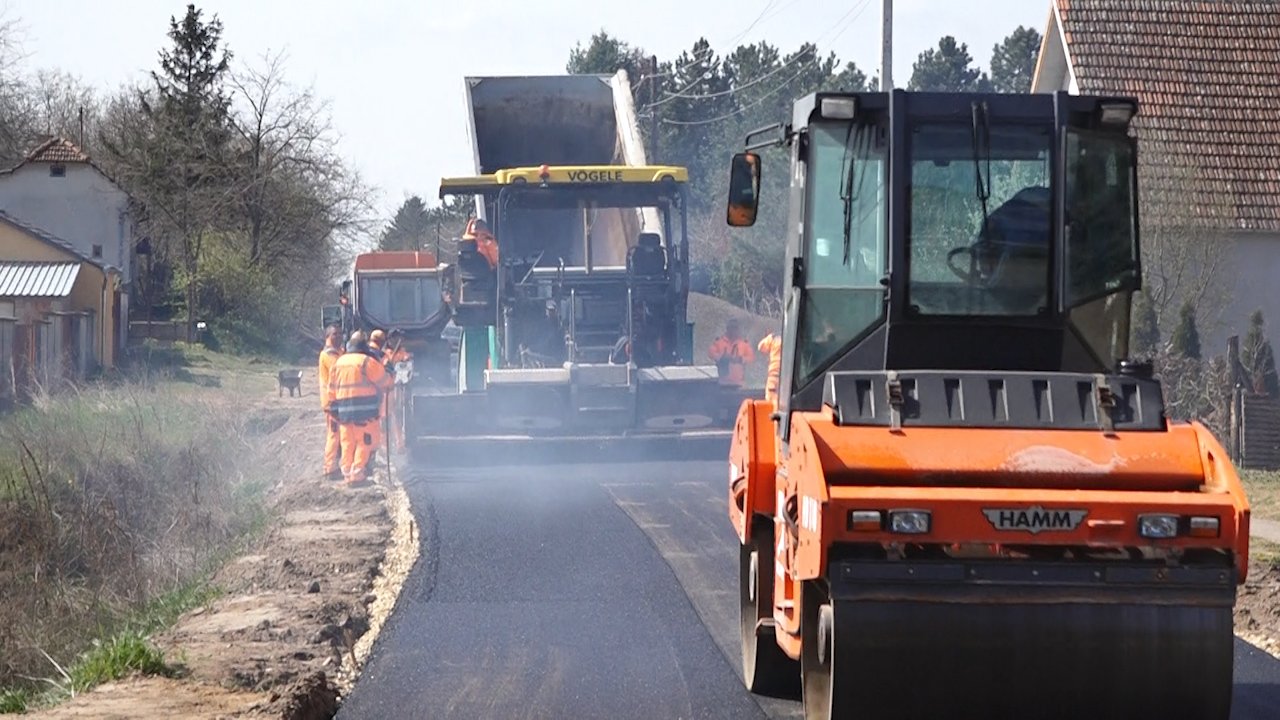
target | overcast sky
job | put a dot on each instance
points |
(393, 69)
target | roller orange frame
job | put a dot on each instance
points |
(1183, 471)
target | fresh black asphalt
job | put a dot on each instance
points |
(590, 591)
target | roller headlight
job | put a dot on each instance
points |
(913, 522)
(1158, 526)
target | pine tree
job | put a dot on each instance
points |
(1013, 61)
(1186, 338)
(409, 229)
(1145, 332)
(947, 69)
(1258, 358)
(188, 165)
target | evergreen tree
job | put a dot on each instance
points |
(410, 229)
(1145, 332)
(1013, 61)
(1258, 358)
(1186, 338)
(948, 68)
(188, 165)
(606, 55)
(852, 79)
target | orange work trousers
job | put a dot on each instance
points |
(357, 448)
(332, 444)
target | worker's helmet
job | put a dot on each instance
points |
(377, 336)
(357, 340)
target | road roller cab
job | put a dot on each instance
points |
(967, 494)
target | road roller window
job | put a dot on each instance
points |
(979, 240)
(845, 237)
(1101, 240)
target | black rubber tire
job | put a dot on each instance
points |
(766, 669)
(826, 694)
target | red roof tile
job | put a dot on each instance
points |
(1207, 78)
(57, 150)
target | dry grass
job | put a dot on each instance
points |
(113, 498)
(1263, 490)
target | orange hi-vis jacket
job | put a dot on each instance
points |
(486, 243)
(358, 383)
(328, 357)
(395, 355)
(737, 352)
(771, 345)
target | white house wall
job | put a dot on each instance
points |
(83, 207)
(1246, 282)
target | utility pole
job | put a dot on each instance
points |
(886, 48)
(653, 110)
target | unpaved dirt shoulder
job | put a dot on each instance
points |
(1257, 613)
(299, 610)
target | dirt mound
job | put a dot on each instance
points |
(1257, 613)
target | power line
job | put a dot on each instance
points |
(813, 60)
(710, 51)
(862, 6)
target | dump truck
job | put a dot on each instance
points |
(967, 499)
(577, 329)
(399, 289)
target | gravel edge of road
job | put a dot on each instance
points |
(401, 555)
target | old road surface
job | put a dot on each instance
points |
(590, 591)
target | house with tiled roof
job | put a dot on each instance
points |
(57, 187)
(58, 310)
(1206, 74)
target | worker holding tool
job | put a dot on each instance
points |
(358, 383)
(771, 345)
(393, 355)
(731, 354)
(486, 244)
(332, 446)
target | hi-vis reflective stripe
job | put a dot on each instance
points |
(809, 513)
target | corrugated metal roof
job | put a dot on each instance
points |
(37, 279)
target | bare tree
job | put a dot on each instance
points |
(62, 104)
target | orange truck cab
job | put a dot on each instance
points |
(967, 494)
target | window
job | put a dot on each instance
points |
(1102, 248)
(1101, 240)
(967, 257)
(399, 301)
(57, 170)
(845, 191)
(97, 251)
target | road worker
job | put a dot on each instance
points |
(332, 445)
(731, 354)
(357, 383)
(395, 353)
(486, 244)
(771, 346)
